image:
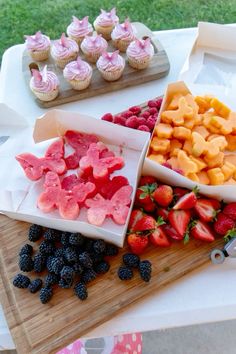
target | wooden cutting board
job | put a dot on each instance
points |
(38, 328)
(158, 68)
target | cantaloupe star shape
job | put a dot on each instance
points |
(177, 117)
(186, 164)
(209, 148)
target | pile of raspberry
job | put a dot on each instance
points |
(137, 117)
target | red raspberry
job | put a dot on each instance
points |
(152, 103)
(108, 117)
(159, 102)
(151, 122)
(127, 114)
(178, 170)
(132, 122)
(144, 128)
(135, 109)
(167, 165)
(152, 110)
(145, 114)
(141, 121)
(119, 120)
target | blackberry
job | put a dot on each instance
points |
(81, 291)
(76, 239)
(96, 258)
(70, 255)
(21, 281)
(26, 249)
(99, 246)
(131, 260)
(39, 262)
(125, 273)
(88, 246)
(57, 264)
(51, 279)
(49, 263)
(145, 269)
(59, 252)
(85, 260)
(111, 250)
(67, 273)
(35, 285)
(26, 263)
(35, 232)
(46, 247)
(51, 235)
(65, 238)
(78, 269)
(102, 268)
(45, 295)
(88, 275)
(65, 284)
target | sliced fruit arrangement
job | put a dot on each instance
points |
(92, 186)
(163, 214)
(137, 117)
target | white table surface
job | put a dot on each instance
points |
(206, 295)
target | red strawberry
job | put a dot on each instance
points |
(179, 192)
(223, 224)
(149, 207)
(147, 180)
(137, 243)
(145, 223)
(171, 232)
(143, 194)
(187, 201)
(179, 219)
(108, 117)
(201, 231)
(230, 210)
(163, 195)
(159, 238)
(207, 209)
(135, 109)
(135, 216)
(163, 213)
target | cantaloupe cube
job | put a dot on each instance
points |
(224, 125)
(203, 177)
(163, 130)
(174, 103)
(160, 145)
(200, 129)
(207, 123)
(193, 177)
(177, 117)
(215, 146)
(199, 162)
(230, 181)
(213, 136)
(182, 133)
(216, 176)
(228, 170)
(216, 161)
(202, 104)
(173, 161)
(188, 147)
(175, 146)
(186, 164)
(231, 158)
(189, 123)
(157, 158)
(231, 140)
(192, 103)
(220, 108)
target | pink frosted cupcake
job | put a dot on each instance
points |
(93, 47)
(78, 29)
(38, 46)
(78, 73)
(122, 35)
(64, 50)
(111, 65)
(44, 84)
(140, 53)
(105, 23)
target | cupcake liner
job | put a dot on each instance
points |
(91, 57)
(104, 31)
(40, 55)
(80, 85)
(112, 75)
(78, 40)
(121, 44)
(46, 96)
(139, 63)
(61, 63)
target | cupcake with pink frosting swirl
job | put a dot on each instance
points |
(64, 50)
(38, 46)
(122, 35)
(93, 47)
(44, 84)
(78, 29)
(140, 53)
(78, 73)
(111, 65)
(105, 23)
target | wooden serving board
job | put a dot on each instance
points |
(38, 328)
(158, 68)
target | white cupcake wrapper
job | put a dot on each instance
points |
(112, 75)
(80, 85)
(122, 45)
(104, 31)
(78, 40)
(139, 63)
(61, 63)
(40, 55)
(46, 96)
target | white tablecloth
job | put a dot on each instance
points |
(206, 295)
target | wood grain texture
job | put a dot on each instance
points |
(158, 68)
(38, 328)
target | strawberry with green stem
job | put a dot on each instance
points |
(144, 194)
(137, 243)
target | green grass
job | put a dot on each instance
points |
(19, 17)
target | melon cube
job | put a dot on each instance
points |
(220, 108)
(182, 133)
(175, 146)
(231, 140)
(164, 130)
(228, 170)
(200, 129)
(193, 177)
(199, 162)
(216, 176)
(216, 161)
(160, 145)
(188, 147)
(157, 158)
(203, 177)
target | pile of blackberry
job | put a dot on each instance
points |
(65, 260)
(132, 261)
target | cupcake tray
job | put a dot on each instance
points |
(159, 67)
(38, 328)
